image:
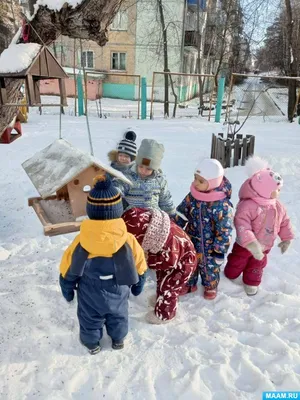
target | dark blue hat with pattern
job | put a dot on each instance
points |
(104, 201)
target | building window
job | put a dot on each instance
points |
(60, 52)
(118, 61)
(185, 63)
(87, 59)
(120, 22)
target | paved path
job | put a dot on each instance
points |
(253, 91)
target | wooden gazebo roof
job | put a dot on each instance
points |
(43, 64)
(32, 63)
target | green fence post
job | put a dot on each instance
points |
(80, 95)
(221, 89)
(144, 99)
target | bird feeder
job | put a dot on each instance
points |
(31, 63)
(63, 176)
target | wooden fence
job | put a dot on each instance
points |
(233, 150)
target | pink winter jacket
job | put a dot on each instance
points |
(260, 219)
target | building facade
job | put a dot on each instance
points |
(136, 47)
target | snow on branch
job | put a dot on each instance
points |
(56, 5)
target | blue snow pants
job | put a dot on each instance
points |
(102, 302)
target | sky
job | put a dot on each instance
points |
(259, 14)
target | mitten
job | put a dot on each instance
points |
(68, 295)
(284, 245)
(67, 288)
(256, 250)
(138, 287)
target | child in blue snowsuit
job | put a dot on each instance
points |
(102, 263)
(207, 217)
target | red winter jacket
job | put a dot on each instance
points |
(177, 251)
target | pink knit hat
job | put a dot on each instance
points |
(266, 181)
(212, 171)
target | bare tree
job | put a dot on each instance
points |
(9, 11)
(200, 82)
(291, 59)
(159, 43)
(281, 48)
(229, 27)
(166, 60)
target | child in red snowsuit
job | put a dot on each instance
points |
(169, 252)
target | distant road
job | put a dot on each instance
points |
(254, 90)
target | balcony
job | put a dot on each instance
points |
(192, 39)
(193, 4)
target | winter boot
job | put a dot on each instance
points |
(210, 294)
(94, 351)
(152, 319)
(187, 289)
(251, 290)
(118, 345)
(152, 300)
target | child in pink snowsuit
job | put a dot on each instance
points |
(259, 219)
(169, 251)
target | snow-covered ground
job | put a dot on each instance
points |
(232, 348)
(127, 109)
(280, 97)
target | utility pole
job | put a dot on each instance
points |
(292, 61)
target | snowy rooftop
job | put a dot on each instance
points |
(18, 57)
(55, 166)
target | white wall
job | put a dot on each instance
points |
(149, 45)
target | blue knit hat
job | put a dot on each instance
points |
(104, 201)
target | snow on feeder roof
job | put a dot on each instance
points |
(55, 166)
(69, 172)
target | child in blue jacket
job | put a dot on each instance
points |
(206, 215)
(149, 187)
(102, 263)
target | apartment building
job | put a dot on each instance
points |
(135, 47)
